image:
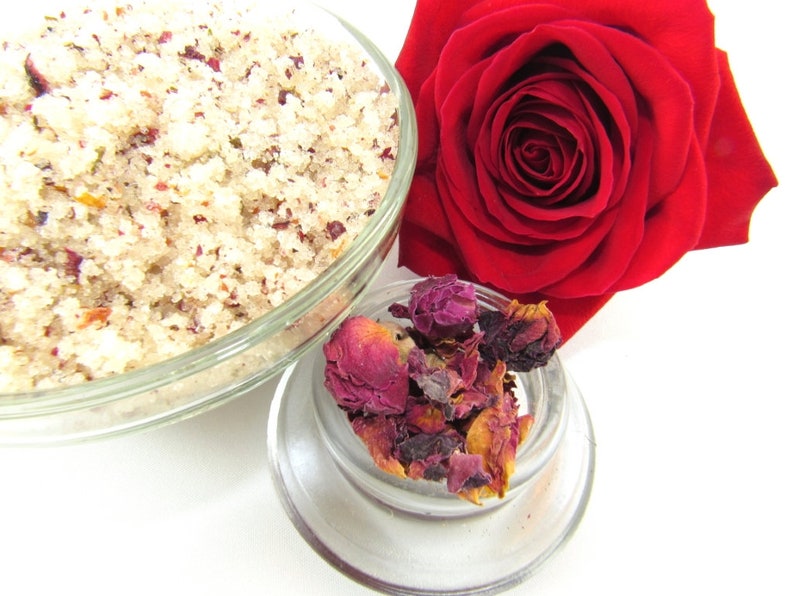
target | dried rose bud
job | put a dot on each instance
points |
(364, 371)
(524, 336)
(443, 308)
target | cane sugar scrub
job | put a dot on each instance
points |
(169, 172)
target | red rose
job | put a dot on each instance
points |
(569, 149)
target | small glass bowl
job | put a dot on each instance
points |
(413, 537)
(211, 374)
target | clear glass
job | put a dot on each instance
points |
(209, 375)
(413, 537)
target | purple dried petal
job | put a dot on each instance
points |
(73, 262)
(484, 392)
(432, 447)
(467, 402)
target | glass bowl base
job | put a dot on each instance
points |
(404, 552)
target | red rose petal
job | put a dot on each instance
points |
(734, 161)
(424, 42)
(671, 228)
(619, 247)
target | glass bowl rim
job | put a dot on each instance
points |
(146, 378)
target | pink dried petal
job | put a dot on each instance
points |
(466, 472)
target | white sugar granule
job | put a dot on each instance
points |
(170, 172)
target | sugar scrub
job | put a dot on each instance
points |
(169, 172)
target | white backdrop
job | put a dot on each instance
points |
(687, 381)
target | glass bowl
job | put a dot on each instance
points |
(213, 373)
(404, 536)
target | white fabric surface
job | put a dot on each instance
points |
(687, 380)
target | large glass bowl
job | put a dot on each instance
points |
(211, 374)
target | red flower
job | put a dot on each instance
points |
(569, 149)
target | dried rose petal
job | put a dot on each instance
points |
(437, 383)
(192, 53)
(380, 435)
(363, 370)
(424, 445)
(73, 262)
(494, 435)
(334, 229)
(524, 336)
(424, 417)
(144, 136)
(432, 470)
(427, 454)
(484, 392)
(462, 357)
(525, 423)
(466, 476)
(37, 80)
(99, 314)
